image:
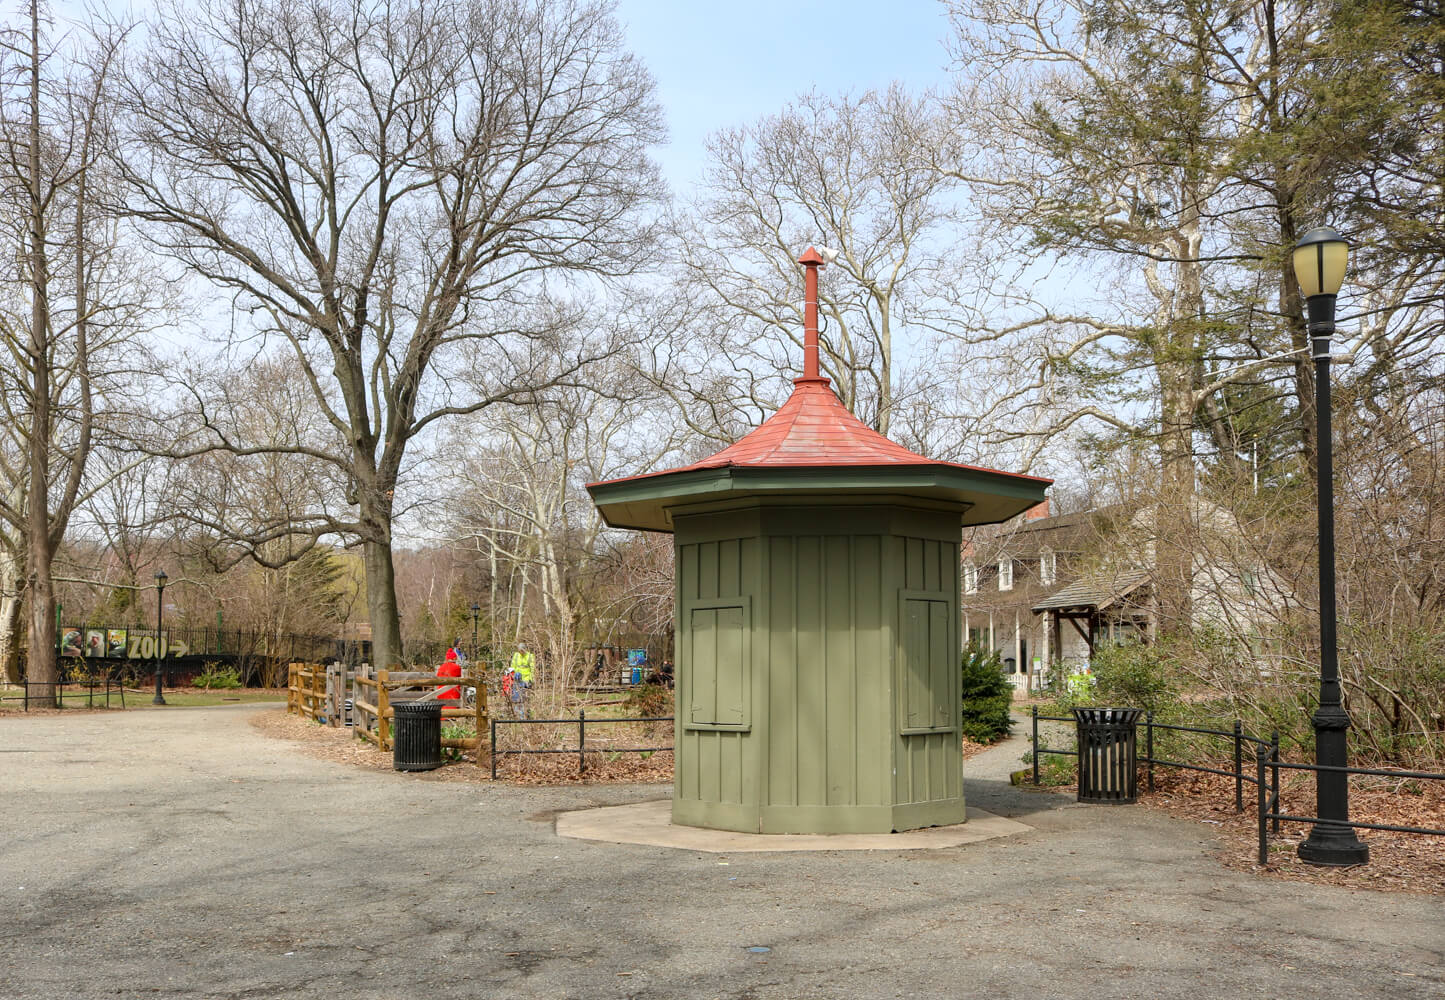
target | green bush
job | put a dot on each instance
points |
(1054, 769)
(216, 676)
(987, 696)
(454, 729)
(649, 701)
(1135, 676)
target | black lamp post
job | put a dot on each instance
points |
(159, 699)
(476, 610)
(1319, 266)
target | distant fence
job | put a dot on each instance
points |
(52, 693)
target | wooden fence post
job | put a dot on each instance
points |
(383, 710)
(481, 709)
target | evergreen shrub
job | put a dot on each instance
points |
(987, 696)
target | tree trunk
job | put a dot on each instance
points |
(1174, 508)
(41, 665)
(11, 603)
(381, 604)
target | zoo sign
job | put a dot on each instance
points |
(118, 643)
(144, 648)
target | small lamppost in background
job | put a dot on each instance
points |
(159, 699)
(476, 648)
(1319, 267)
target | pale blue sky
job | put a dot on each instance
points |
(730, 63)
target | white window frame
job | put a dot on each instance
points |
(1006, 573)
(970, 578)
(1048, 568)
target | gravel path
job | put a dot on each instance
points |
(180, 852)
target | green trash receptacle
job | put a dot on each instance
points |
(1108, 754)
(416, 736)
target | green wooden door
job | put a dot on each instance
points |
(925, 692)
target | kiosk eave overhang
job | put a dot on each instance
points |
(984, 496)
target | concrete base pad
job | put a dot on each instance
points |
(651, 823)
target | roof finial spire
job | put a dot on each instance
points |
(811, 261)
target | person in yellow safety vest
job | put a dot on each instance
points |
(520, 670)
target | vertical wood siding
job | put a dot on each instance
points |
(717, 766)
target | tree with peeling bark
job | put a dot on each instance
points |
(391, 196)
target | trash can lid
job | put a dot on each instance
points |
(1107, 716)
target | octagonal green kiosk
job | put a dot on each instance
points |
(817, 663)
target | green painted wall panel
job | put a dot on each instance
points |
(707, 566)
(790, 641)
(841, 697)
(873, 701)
(729, 566)
(812, 677)
(781, 785)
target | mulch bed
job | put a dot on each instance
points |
(342, 746)
(1399, 862)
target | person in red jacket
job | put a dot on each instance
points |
(451, 697)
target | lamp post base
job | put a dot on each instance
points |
(1333, 845)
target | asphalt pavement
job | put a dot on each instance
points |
(179, 852)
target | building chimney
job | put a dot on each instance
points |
(1037, 512)
(811, 261)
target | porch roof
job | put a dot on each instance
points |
(1093, 593)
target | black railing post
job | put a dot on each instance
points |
(581, 740)
(1238, 766)
(494, 749)
(1260, 755)
(1149, 746)
(1274, 777)
(1034, 711)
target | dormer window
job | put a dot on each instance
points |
(970, 578)
(1005, 574)
(1048, 568)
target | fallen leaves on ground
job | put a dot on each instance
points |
(1399, 862)
(603, 766)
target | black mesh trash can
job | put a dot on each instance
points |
(416, 736)
(1108, 754)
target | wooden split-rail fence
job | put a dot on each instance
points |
(363, 699)
(387, 687)
(306, 690)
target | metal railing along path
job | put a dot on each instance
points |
(1267, 768)
(581, 722)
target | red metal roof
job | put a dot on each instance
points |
(812, 429)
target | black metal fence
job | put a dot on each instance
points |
(1264, 776)
(1270, 809)
(53, 692)
(581, 722)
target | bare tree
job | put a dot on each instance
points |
(517, 495)
(846, 174)
(395, 194)
(73, 299)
